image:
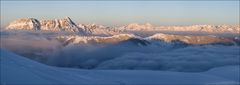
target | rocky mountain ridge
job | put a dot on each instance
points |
(67, 25)
(59, 25)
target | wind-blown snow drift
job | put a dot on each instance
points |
(19, 70)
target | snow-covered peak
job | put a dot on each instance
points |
(190, 39)
(75, 39)
(136, 26)
(203, 28)
(25, 24)
(194, 28)
(167, 38)
(65, 24)
(96, 29)
(67, 17)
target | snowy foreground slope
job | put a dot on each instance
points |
(19, 70)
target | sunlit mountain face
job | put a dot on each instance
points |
(115, 42)
(64, 43)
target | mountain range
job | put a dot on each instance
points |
(67, 25)
(64, 43)
(89, 33)
(57, 25)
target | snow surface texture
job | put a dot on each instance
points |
(19, 70)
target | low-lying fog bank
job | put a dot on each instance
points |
(129, 53)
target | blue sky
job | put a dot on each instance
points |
(116, 13)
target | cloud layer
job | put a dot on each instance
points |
(123, 55)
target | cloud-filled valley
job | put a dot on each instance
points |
(120, 51)
(120, 43)
(63, 43)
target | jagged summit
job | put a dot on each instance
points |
(69, 20)
(67, 17)
(67, 25)
(25, 24)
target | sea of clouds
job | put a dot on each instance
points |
(46, 49)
